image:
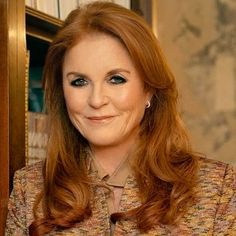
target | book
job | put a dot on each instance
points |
(48, 7)
(28, 3)
(65, 7)
(37, 137)
(124, 3)
(83, 2)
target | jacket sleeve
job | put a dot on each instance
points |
(225, 221)
(16, 218)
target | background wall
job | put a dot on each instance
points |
(199, 40)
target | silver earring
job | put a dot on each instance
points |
(148, 104)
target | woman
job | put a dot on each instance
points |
(119, 161)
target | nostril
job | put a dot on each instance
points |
(97, 99)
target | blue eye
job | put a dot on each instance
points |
(80, 82)
(117, 79)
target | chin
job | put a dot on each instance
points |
(103, 142)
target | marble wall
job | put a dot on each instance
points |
(198, 38)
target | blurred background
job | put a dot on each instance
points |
(198, 38)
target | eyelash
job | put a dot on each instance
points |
(117, 79)
(114, 80)
(79, 82)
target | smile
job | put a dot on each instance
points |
(100, 119)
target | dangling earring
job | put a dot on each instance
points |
(148, 104)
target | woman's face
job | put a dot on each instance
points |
(104, 93)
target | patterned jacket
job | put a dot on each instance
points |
(213, 214)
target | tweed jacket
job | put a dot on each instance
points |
(214, 213)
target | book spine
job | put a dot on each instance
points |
(28, 3)
(48, 7)
(37, 137)
(124, 3)
(65, 7)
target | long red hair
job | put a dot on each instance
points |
(164, 164)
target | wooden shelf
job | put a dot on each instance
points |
(41, 25)
(20, 24)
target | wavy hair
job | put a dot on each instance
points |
(164, 165)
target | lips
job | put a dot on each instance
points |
(100, 118)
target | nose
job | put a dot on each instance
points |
(97, 97)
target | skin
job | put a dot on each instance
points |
(105, 96)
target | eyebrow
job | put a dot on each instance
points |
(118, 70)
(111, 72)
(76, 73)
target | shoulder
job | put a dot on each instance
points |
(213, 168)
(27, 184)
(215, 174)
(30, 174)
(35, 168)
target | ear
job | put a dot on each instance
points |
(149, 96)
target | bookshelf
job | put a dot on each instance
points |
(20, 25)
(12, 128)
(40, 30)
(21, 28)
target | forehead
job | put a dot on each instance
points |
(98, 47)
(97, 36)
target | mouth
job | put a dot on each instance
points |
(100, 119)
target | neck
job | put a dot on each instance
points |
(110, 157)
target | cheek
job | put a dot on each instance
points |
(129, 96)
(132, 99)
(73, 103)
